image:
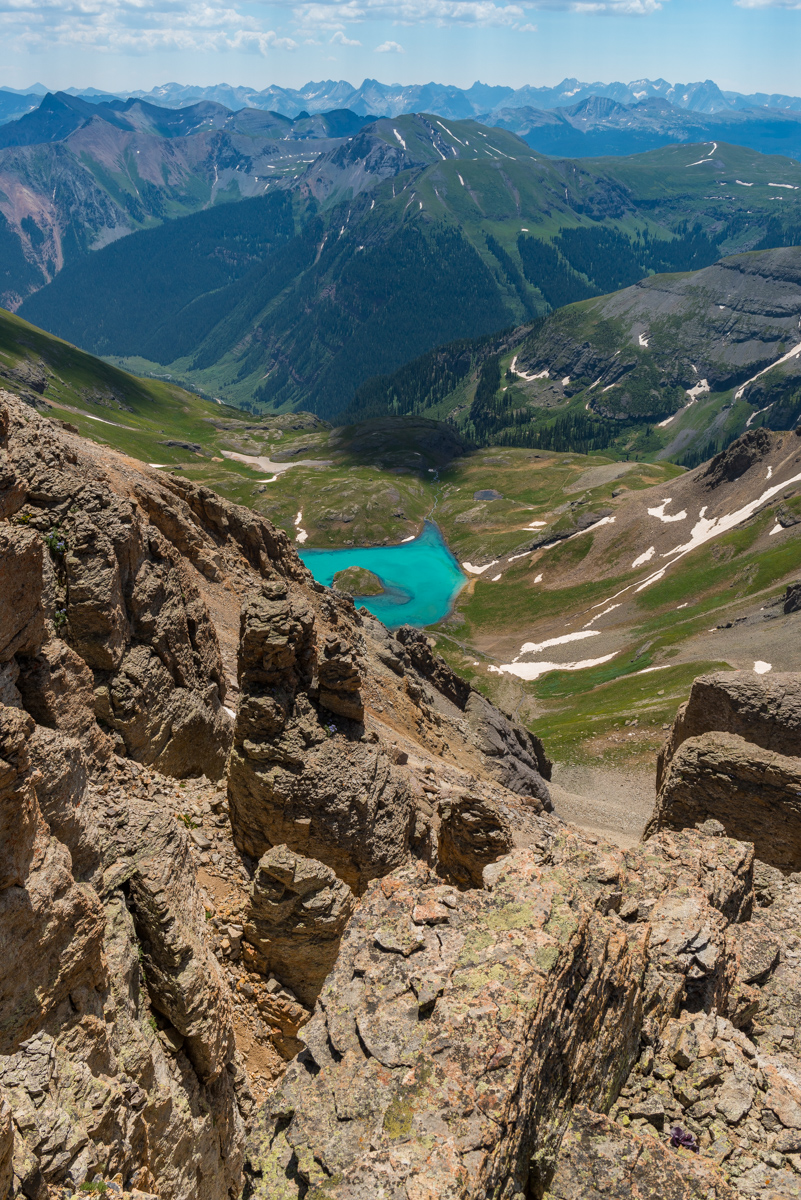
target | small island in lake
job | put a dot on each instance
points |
(358, 581)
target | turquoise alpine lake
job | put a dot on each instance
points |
(421, 578)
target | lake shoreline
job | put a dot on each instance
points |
(421, 576)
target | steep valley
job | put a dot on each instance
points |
(407, 235)
(377, 481)
(286, 907)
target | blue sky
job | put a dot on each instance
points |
(744, 45)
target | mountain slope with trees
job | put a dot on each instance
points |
(414, 233)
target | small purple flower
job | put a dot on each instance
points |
(332, 728)
(683, 1138)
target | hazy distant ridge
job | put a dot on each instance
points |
(448, 101)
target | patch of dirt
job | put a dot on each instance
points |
(611, 802)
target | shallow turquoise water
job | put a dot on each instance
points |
(422, 577)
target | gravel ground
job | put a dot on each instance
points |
(609, 802)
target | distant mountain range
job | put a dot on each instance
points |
(75, 175)
(480, 100)
(599, 125)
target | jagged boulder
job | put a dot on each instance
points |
(472, 834)
(754, 793)
(792, 597)
(299, 909)
(763, 709)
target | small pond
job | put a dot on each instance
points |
(421, 578)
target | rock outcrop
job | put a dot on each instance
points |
(298, 913)
(763, 709)
(311, 771)
(754, 793)
(458, 1029)
(733, 755)
(134, 1011)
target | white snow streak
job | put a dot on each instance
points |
(400, 139)
(449, 133)
(301, 535)
(796, 350)
(757, 412)
(598, 616)
(660, 513)
(761, 667)
(466, 566)
(777, 528)
(538, 647)
(531, 671)
(644, 558)
(643, 340)
(699, 390)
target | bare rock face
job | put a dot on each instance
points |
(754, 793)
(300, 776)
(458, 1029)
(472, 834)
(738, 458)
(132, 604)
(598, 1158)
(734, 756)
(513, 755)
(298, 912)
(792, 598)
(82, 551)
(763, 709)
(85, 1084)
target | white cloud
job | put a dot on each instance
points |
(238, 26)
(135, 26)
(334, 14)
(768, 3)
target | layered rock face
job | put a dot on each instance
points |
(474, 1000)
(734, 756)
(132, 606)
(310, 770)
(590, 1022)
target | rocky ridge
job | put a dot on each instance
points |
(138, 1003)
(333, 942)
(585, 1022)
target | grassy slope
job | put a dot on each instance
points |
(383, 469)
(508, 188)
